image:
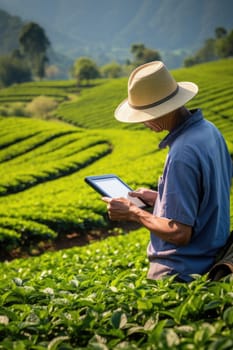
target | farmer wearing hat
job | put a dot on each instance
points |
(191, 215)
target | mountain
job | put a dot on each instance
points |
(9, 30)
(106, 29)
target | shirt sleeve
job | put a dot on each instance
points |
(179, 193)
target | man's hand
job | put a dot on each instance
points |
(147, 196)
(167, 229)
(120, 209)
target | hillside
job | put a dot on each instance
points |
(43, 195)
(105, 30)
(214, 97)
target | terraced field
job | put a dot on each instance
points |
(27, 91)
(94, 108)
(43, 165)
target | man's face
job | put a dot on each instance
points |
(155, 125)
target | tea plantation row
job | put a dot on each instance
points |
(42, 170)
(98, 297)
(215, 98)
(27, 91)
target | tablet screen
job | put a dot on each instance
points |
(113, 187)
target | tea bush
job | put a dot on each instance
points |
(98, 297)
(41, 106)
(42, 172)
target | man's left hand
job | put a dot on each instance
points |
(119, 208)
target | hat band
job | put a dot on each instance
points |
(157, 103)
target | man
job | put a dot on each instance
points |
(191, 216)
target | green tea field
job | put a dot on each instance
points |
(96, 296)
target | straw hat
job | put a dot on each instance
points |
(152, 93)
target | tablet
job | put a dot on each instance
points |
(112, 186)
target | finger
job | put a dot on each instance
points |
(134, 194)
(106, 199)
(131, 194)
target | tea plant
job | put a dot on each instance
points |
(59, 90)
(98, 297)
(46, 170)
(214, 97)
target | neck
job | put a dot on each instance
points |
(170, 121)
(175, 118)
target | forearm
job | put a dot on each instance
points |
(166, 229)
(169, 230)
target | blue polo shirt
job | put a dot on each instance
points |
(194, 190)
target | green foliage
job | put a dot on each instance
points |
(43, 164)
(14, 98)
(224, 45)
(214, 98)
(104, 98)
(111, 70)
(143, 54)
(24, 231)
(85, 69)
(214, 48)
(46, 164)
(41, 106)
(98, 297)
(34, 44)
(13, 70)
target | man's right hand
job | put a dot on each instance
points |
(145, 194)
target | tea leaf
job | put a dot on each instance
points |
(53, 344)
(119, 319)
(228, 315)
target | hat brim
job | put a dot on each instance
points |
(125, 113)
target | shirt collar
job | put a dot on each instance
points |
(190, 120)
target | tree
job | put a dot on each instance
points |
(220, 32)
(230, 43)
(204, 54)
(224, 45)
(214, 48)
(137, 51)
(143, 54)
(13, 70)
(112, 70)
(33, 45)
(85, 69)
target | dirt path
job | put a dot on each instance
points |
(74, 239)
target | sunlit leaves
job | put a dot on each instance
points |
(98, 297)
